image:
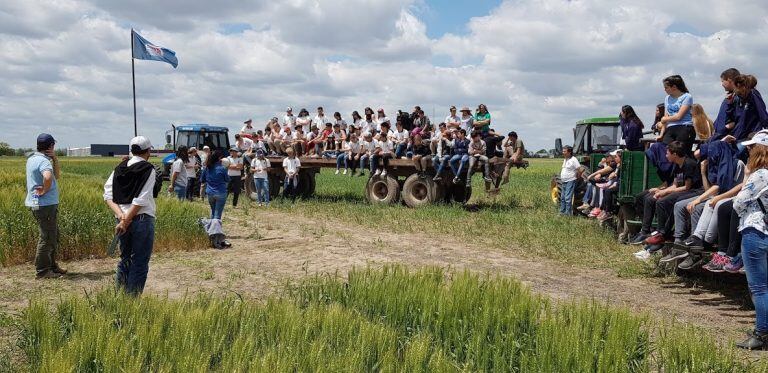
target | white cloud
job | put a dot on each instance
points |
(539, 65)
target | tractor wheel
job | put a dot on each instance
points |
(383, 190)
(420, 191)
(306, 184)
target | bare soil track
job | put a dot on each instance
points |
(271, 248)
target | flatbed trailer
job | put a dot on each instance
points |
(402, 182)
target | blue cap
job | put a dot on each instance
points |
(45, 140)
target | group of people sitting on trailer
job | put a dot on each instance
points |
(459, 143)
(709, 210)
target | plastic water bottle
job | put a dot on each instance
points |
(36, 198)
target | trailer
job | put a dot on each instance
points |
(402, 183)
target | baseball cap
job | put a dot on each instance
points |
(45, 140)
(615, 152)
(234, 149)
(139, 144)
(248, 121)
(761, 138)
(289, 108)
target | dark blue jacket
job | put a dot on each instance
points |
(721, 164)
(752, 116)
(657, 155)
(725, 115)
(460, 147)
(631, 132)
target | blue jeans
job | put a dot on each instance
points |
(375, 161)
(588, 193)
(566, 197)
(291, 186)
(458, 162)
(180, 191)
(754, 253)
(400, 150)
(341, 159)
(217, 202)
(439, 163)
(363, 158)
(135, 251)
(262, 189)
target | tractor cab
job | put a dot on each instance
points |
(194, 135)
(593, 136)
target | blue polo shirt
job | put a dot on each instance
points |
(674, 105)
(37, 163)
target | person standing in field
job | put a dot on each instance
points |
(235, 172)
(130, 193)
(42, 198)
(259, 168)
(215, 178)
(203, 161)
(291, 166)
(570, 171)
(179, 179)
(193, 167)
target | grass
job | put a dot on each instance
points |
(85, 222)
(385, 319)
(522, 218)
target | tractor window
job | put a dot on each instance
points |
(182, 139)
(215, 140)
(604, 138)
(578, 143)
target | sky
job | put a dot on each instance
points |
(539, 66)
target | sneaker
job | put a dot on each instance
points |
(345, 172)
(456, 180)
(712, 261)
(584, 207)
(595, 212)
(641, 252)
(383, 173)
(488, 179)
(59, 270)
(653, 249)
(718, 267)
(437, 178)
(688, 263)
(643, 255)
(337, 172)
(755, 341)
(47, 275)
(675, 254)
(735, 265)
(639, 239)
(693, 242)
(655, 239)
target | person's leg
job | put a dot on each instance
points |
(417, 163)
(386, 159)
(143, 231)
(696, 214)
(340, 159)
(453, 162)
(236, 187)
(424, 162)
(221, 201)
(180, 192)
(665, 213)
(212, 204)
(566, 197)
(649, 211)
(735, 237)
(47, 222)
(710, 233)
(682, 218)
(400, 150)
(486, 166)
(723, 212)
(754, 253)
(374, 163)
(126, 257)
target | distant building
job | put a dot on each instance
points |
(109, 150)
(78, 152)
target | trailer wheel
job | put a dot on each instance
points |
(383, 190)
(275, 182)
(457, 193)
(420, 191)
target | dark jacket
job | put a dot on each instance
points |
(725, 115)
(460, 147)
(657, 155)
(721, 164)
(631, 132)
(752, 116)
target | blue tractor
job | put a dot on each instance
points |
(194, 135)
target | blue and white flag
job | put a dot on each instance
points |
(143, 49)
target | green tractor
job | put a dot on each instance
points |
(593, 139)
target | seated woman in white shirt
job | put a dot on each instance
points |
(304, 120)
(341, 122)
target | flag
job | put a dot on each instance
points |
(143, 49)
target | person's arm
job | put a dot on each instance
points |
(704, 174)
(54, 163)
(173, 180)
(711, 191)
(108, 198)
(753, 189)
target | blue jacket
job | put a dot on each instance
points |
(721, 164)
(657, 155)
(631, 132)
(460, 147)
(725, 115)
(752, 116)
(216, 180)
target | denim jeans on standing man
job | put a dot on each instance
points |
(217, 202)
(180, 192)
(754, 253)
(566, 197)
(262, 189)
(135, 250)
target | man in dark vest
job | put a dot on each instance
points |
(130, 192)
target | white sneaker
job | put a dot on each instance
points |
(383, 173)
(377, 173)
(337, 172)
(645, 255)
(345, 172)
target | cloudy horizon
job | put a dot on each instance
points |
(539, 66)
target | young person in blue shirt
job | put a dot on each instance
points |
(750, 111)
(43, 199)
(215, 178)
(677, 125)
(726, 120)
(459, 154)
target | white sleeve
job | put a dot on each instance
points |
(145, 196)
(108, 187)
(298, 162)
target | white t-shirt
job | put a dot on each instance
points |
(337, 135)
(233, 161)
(179, 166)
(385, 146)
(369, 126)
(467, 123)
(570, 167)
(342, 123)
(260, 167)
(190, 166)
(368, 146)
(291, 165)
(352, 147)
(248, 130)
(245, 144)
(401, 137)
(379, 121)
(304, 122)
(289, 120)
(453, 121)
(321, 121)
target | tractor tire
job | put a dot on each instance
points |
(419, 192)
(382, 190)
(306, 184)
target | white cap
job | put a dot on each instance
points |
(615, 152)
(139, 144)
(760, 138)
(206, 147)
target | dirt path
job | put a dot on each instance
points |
(269, 252)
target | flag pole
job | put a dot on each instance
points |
(133, 79)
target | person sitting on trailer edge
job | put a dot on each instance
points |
(420, 156)
(442, 153)
(367, 148)
(459, 154)
(384, 152)
(477, 150)
(291, 166)
(514, 151)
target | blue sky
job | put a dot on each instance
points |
(442, 17)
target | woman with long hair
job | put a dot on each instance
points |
(482, 121)
(631, 128)
(749, 204)
(702, 124)
(304, 120)
(751, 111)
(215, 179)
(660, 110)
(179, 178)
(678, 121)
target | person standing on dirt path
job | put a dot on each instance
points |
(235, 172)
(42, 198)
(130, 193)
(569, 173)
